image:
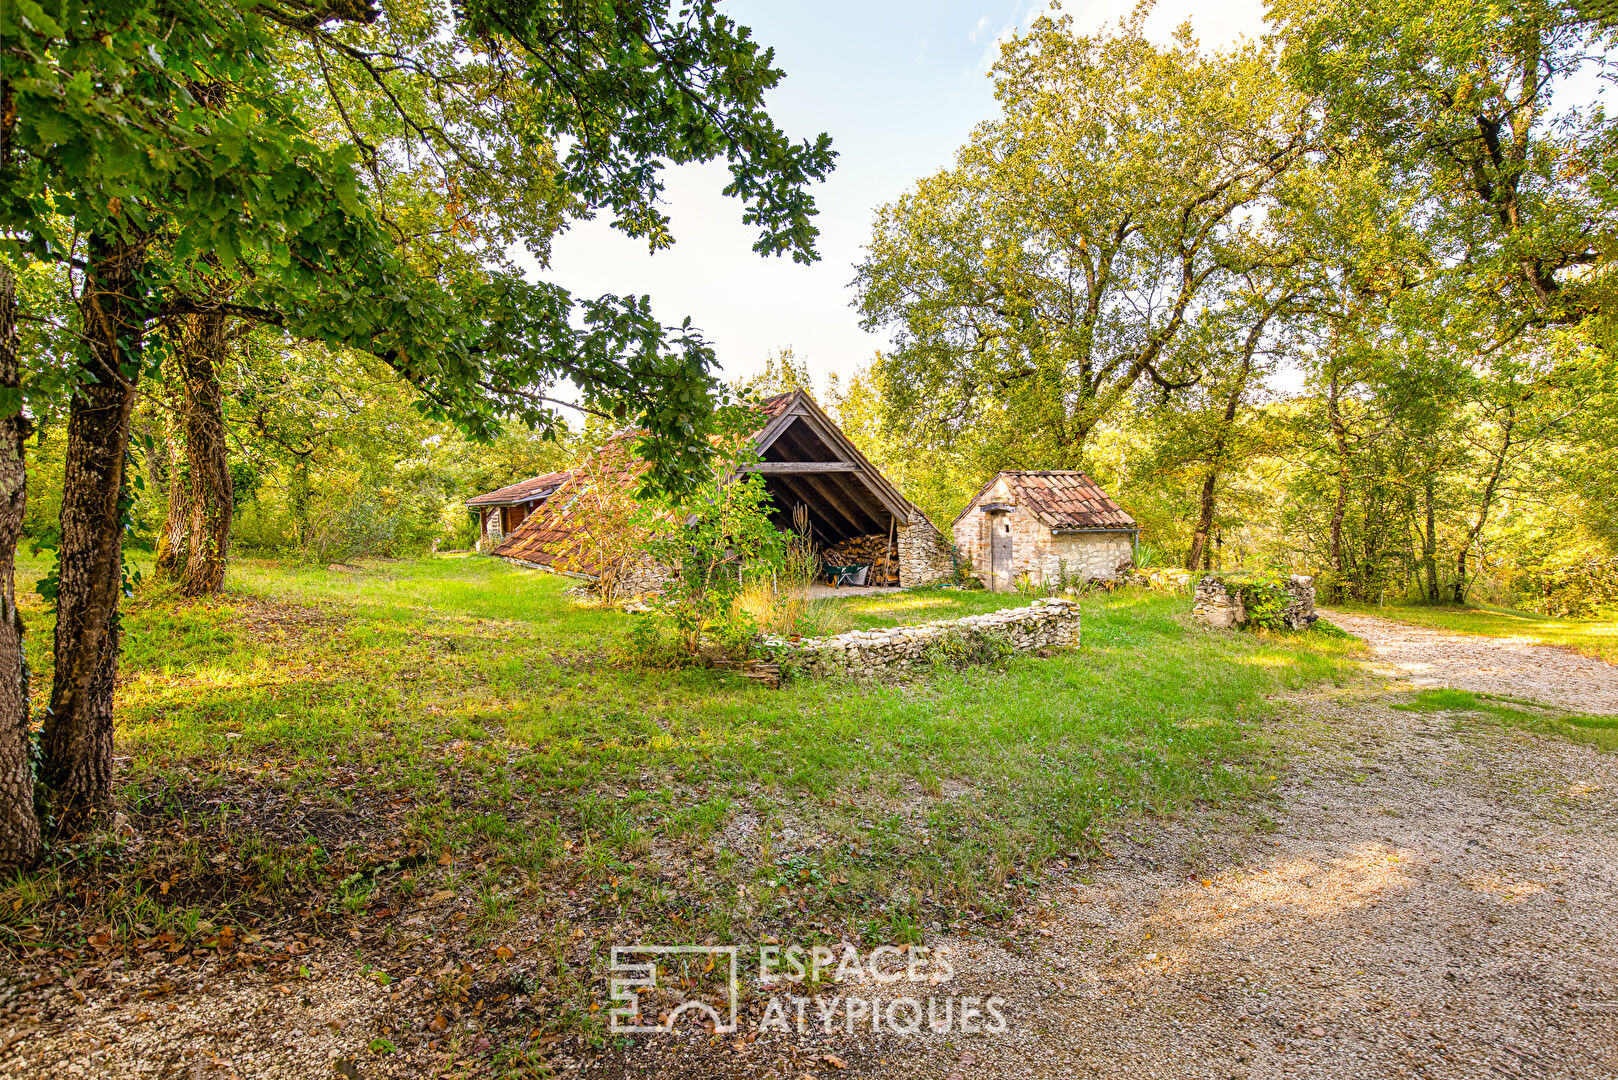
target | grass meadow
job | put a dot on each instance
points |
(340, 751)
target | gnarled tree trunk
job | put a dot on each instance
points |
(19, 827)
(77, 740)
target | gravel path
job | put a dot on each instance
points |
(1433, 901)
(1517, 667)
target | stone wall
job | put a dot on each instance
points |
(1039, 553)
(925, 555)
(490, 533)
(1046, 623)
(1217, 602)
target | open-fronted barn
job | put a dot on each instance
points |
(854, 512)
(1045, 524)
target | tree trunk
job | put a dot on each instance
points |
(1485, 502)
(171, 556)
(1340, 443)
(1429, 543)
(1216, 459)
(77, 740)
(19, 826)
(300, 499)
(210, 499)
(1205, 516)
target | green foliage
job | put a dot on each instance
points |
(176, 128)
(709, 539)
(1264, 599)
(1582, 588)
(1034, 285)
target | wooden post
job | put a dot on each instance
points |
(890, 556)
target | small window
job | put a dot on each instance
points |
(1008, 528)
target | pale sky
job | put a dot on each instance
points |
(899, 87)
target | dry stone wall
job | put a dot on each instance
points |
(1051, 623)
(1219, 603)
(925, 554)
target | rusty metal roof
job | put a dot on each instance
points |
(1061, 499)
(535, 487)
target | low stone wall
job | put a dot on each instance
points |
(1046, 623)
(1158, 579)
(1218, 602)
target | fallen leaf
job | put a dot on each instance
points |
(834, 1061)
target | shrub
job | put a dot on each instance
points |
(1265, 600)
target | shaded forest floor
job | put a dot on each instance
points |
(395, 816)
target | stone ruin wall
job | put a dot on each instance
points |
(1050, 623)
(1218, 604)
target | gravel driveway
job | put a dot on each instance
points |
(1434, 900)
(1517, 667)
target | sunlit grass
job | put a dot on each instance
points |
(465, 707)
(1593, 637)
(1600, 731)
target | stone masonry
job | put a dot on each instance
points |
(1046, 623)
(1219, 604)
(925, 555)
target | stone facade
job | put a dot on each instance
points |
(1036, 550)
(1046, 623)
(925, 556)
(1219, 604)
(491, 533)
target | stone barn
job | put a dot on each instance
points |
(1043, 524)
(810, 467)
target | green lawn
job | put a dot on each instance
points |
(334, 748)
(1592, 637)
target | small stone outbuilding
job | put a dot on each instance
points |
(1044, 524)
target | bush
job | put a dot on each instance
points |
(1265, 600)
(374, 521)
(1582, 588)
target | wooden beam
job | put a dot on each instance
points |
(801, 467)
(812, 496)
(833, 492)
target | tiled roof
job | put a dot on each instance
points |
(535, 487)
(1063, 499)
(548, 536)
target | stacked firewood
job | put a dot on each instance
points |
(877, 550)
